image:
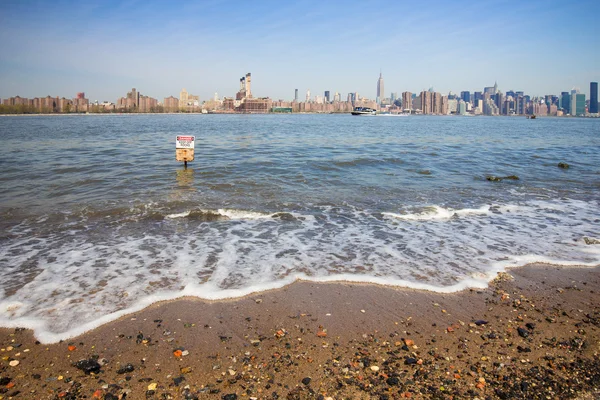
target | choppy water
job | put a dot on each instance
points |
(98, 219)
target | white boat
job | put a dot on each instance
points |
(363, 111)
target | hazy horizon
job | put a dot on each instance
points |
(105, 49)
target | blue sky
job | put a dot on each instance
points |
(107, 47)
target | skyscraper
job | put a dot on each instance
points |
(380, 91)
(327, 96)
(593, 98)
(465, 96)
(308, 95)
(296, 95)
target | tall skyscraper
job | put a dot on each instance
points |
(296, 95)
(465, 96)
(308, 95)
(407, 101)
(380, 91)
(327, 96)
(593, 98)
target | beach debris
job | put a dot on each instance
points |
(185, 370)
(88, 366)
(126, 368)
(363, 311)
(280, 333)
(258, 301)
(14, 363)
(563, 165)
(503, 277)
(480, 322)
(589, 240)
(322, 332)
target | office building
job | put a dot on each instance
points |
(296, 95)
(380, 89)
(465, 96)
(593, 98)
(327, 96)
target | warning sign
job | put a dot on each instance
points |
(185, 142)
(184, 148)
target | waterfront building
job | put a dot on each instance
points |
(380, 89)
(577, 104)
(407, 101)
(565, 102)
(308, 95)
(327, 96)
(462, 107)
(337, 97)
(171, 104)
(593, 98)
(188, 102)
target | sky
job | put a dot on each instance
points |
(104, 48)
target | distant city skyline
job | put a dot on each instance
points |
(107, 48)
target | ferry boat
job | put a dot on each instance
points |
(363, 111)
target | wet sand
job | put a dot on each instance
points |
(533, 333)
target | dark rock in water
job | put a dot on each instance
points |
(306, 381)
(499, 178)
(522, 332)
(393, 381)
(126, 368)
(88, 366)
(563, 165)
(480, 322)
(410, 361)
(231, 396)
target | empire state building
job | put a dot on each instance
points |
(380, 92)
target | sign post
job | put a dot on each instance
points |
(184, 149)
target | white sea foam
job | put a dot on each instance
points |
(178, 215)
(67, 282)
(438, 213)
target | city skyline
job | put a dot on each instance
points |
(105, 49)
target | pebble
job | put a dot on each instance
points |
(231, 396)
(374, 368)
(152, 386)
(306, 381)
(14, 363)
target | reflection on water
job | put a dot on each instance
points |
(185, 178)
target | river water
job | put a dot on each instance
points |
(98, 219)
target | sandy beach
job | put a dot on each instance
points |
(534, 333)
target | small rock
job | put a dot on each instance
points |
(392, 381)
(185, 370)
(88, 366)
(522, 332)
(480, 322)
(306, 381)
(374, 368)
(152, 386)
(125, 369)
(14, 363)
(410, 361)
(258, 301)
(563, 165)
(231, 396)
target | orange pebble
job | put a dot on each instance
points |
(72, 348)
(177, 353)
(97, 394)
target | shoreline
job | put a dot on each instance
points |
(519, 338)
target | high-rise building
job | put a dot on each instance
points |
(337, 97)
(565, 102)
(327, 96)
(593, 98)
(380, 90)
(465, 96)
(81, 95)
(308, 95)
(296, 95)
(577, 104)
(407, 101)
